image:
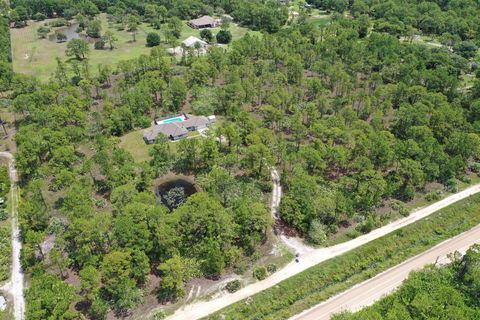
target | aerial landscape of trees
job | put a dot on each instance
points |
(357, 115)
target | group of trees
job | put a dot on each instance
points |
(351, 117)
(98, 205)
(448, 292)
(349, 125)
(6, 72)
(453, 21)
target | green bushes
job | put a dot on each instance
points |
(153, 39)
(233, 286)
(433, 196)
(260, 273)
(335, 275)
(272, 268)
(5, 253)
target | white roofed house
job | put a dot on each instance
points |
(176, 127)
(192, 41)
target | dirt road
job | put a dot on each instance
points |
(15, 286)
(307, 260)
(294, 244)
(366, 293)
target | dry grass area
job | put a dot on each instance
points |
(37, 57)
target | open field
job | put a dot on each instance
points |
(37, 57)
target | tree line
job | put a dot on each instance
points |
(257, 14)
(6, 73)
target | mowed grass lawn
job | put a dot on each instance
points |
(37, 57)
(133, 142)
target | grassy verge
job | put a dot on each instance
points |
(338, 274)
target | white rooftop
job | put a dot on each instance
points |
(190, 41)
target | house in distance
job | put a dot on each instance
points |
(204, 22)
(176, 127)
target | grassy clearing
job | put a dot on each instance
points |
(133, 142)
(338, 274)
(37, 57)
(319, 18)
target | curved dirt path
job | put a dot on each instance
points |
(295, 244)
(15, 286)
(372, 290)
(203, 308)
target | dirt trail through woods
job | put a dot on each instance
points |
(15, 286)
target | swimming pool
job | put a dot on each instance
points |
(176, 119)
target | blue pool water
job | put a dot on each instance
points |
(177, 119)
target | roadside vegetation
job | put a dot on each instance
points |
(333, 276)
(5, 233)
(439, 292)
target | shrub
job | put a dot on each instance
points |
(224, 36)
(260, 273)
(316, 232)
(367, 225)
(43, 32)
(451, 185)
(256, 255)
(99, 45)
(99, 308)
(353, 234)
(474, 166)
(206, 35)
(61, 37)
(240, 268)
(272, 268)
(59, 23)
(400, 207)
(159, 315)
(39, 16)
(56, 226)
(233, 286)
(153, 39)
(433, 196)
(3, 214)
